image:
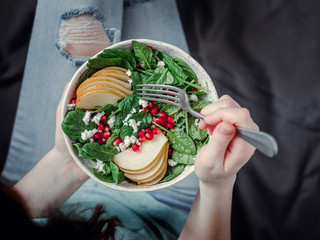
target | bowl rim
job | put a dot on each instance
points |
(189, 169)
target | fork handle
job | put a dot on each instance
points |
(263, 142)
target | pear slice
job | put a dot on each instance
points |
(97, 99)
(121, 69)
(122, 91)
(103, 80)
(107, 72)
(113, 83)
(152, 173)
(159, 157)
(138, 161)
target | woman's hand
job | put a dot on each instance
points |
(224, 155)
(216, 165)
(53, 180)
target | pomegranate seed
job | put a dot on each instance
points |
(117, 141)
(106, 128)
(142, 139)
(199, 111)
(150, 104)
(149, 136)
(104, 140)
(99, 141)
(163, 114)
(137, 65)
(141, 133)
(103, 118)
(169, 125)
(148, 130)
(146, 109)
(101, 127)
(135, 147)
(96, 136)
(164, 120)
(156, 131)
(153, 111)
(105, 135)
(73, 101)
(195, 90)
(170, 152)
(159, 120)
(170, 119)
(150, 47)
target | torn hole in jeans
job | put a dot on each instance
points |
(82, 36)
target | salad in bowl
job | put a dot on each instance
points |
(127, 143)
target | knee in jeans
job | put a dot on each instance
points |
(82, 34)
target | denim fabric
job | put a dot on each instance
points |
(49, 68)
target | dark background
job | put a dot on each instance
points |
(265, 54)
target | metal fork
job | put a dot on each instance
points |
(263, 142)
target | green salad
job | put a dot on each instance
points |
(102, 132)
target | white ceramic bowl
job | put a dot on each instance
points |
(171, 50)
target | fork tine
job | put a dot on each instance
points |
(159, 86)
(158, 90)
(158, 95)
(159, 100)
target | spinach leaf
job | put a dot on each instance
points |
(186, 69)
(117, 175)
(173, 67)
(73, 124)
(107, 109)
(145, 121)
(144, 55)
(102, 152)
(81, 153)
(99, 63)
(183, 158)
(119, 53)
(173, 172)
(198, 93)
(102, 176)
(86, 74)
(158, 78)
(199, 104)
(170, 109)
(194, 131)
(126, 105)
(169, 78)
(135, 76)
(181, 141)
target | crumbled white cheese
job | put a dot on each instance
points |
(86, 134)
(128, 72)
(143, 103)
(127, 141)
(100, 165)
(97, 117)
(171, 163)
(133, 124)
(71, 106)
(133, 111)
(196, 122)
(86, 118)
(133, 140)
(129, 80)
(122, 146)
(127, 117)
(161, 64)
(111, 121)
(193, 98)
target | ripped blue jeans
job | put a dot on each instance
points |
(65, 35)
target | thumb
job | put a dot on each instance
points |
(219, 142)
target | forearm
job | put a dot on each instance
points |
(49, 184)
(210, 214)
